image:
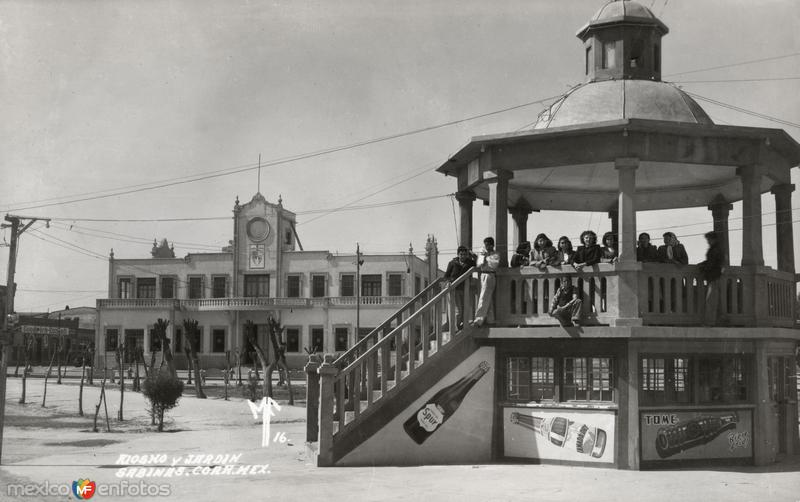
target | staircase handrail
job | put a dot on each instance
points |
(376, 346)
(341, 360)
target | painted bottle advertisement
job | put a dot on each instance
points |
(676, 438)
(439, 408)
(565, 433)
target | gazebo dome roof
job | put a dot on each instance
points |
(622, 99)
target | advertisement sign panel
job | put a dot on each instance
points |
(553, 434)
(697, 434)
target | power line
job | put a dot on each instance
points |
(775, 79)
(743, 110)
(286, 160)
(731, 65)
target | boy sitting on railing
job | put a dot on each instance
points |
(566, 307)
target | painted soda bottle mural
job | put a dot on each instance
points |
(441, 406)
(698, 431)
(565, 433)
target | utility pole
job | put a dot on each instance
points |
(14, 223)
(359, 262)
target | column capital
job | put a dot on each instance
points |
(748, 170)
(626, 163)
(782, 189)
(466, 196)
(719, 204)
(497, 175)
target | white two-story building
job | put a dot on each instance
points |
(264, 272)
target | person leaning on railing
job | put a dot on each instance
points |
(645, 251)
(543, 254)
(488, 263)
(522, 256)
(564, 253)
(610, 249)
(672, 251)
(589, 253)
(455, 269)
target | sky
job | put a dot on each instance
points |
(101, 95)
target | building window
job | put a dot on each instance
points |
(417, 285)
(609, 54)
(178, 343)
(146, 287)
(722, 379)
(218, 340)
(125, 289)
(293, 286)
(318, 286)
(340, 339)
(197, 342)
(348, 285)
(219, 286)
(518, 371)
(167, 287)
(656, 58)
(288, 237)
(576, 379)
(395, 285)
(588, 59)
(543, 378)
(256, 286)
(195, 287)
(317, 340)
(292, 340)
(371, 285)
(155, 342)
(112, 339)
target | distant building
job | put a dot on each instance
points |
(76, 327)
(263, 272)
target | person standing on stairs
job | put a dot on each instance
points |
(488, 263)
(455, 269)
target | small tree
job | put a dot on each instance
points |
(163, 390)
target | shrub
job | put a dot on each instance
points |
(163, 391)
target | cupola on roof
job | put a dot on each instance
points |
(622, 44)
(625, 10)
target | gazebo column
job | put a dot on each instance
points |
(783, 230)
(465, 200)
(520, 231)
(498, 211)
(613, 215)
(752, 247)
(720, 212)
(627, 268)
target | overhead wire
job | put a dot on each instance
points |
(731, 65)
(285, 160)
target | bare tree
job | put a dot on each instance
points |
(188, 351)
(279, 349)
(193, 339)
(60, 351)
(28, 346)
(120, 355)
(250, 329)
(84, 356)
(47, 376)
(160, 330)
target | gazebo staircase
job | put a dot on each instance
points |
(386, 371)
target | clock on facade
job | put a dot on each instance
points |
(258, 229)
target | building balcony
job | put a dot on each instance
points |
(662, 294)
(250, 303)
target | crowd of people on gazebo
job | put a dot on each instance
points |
(566, 303)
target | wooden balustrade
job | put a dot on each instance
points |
(524, 295)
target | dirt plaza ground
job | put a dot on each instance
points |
(215, 452)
